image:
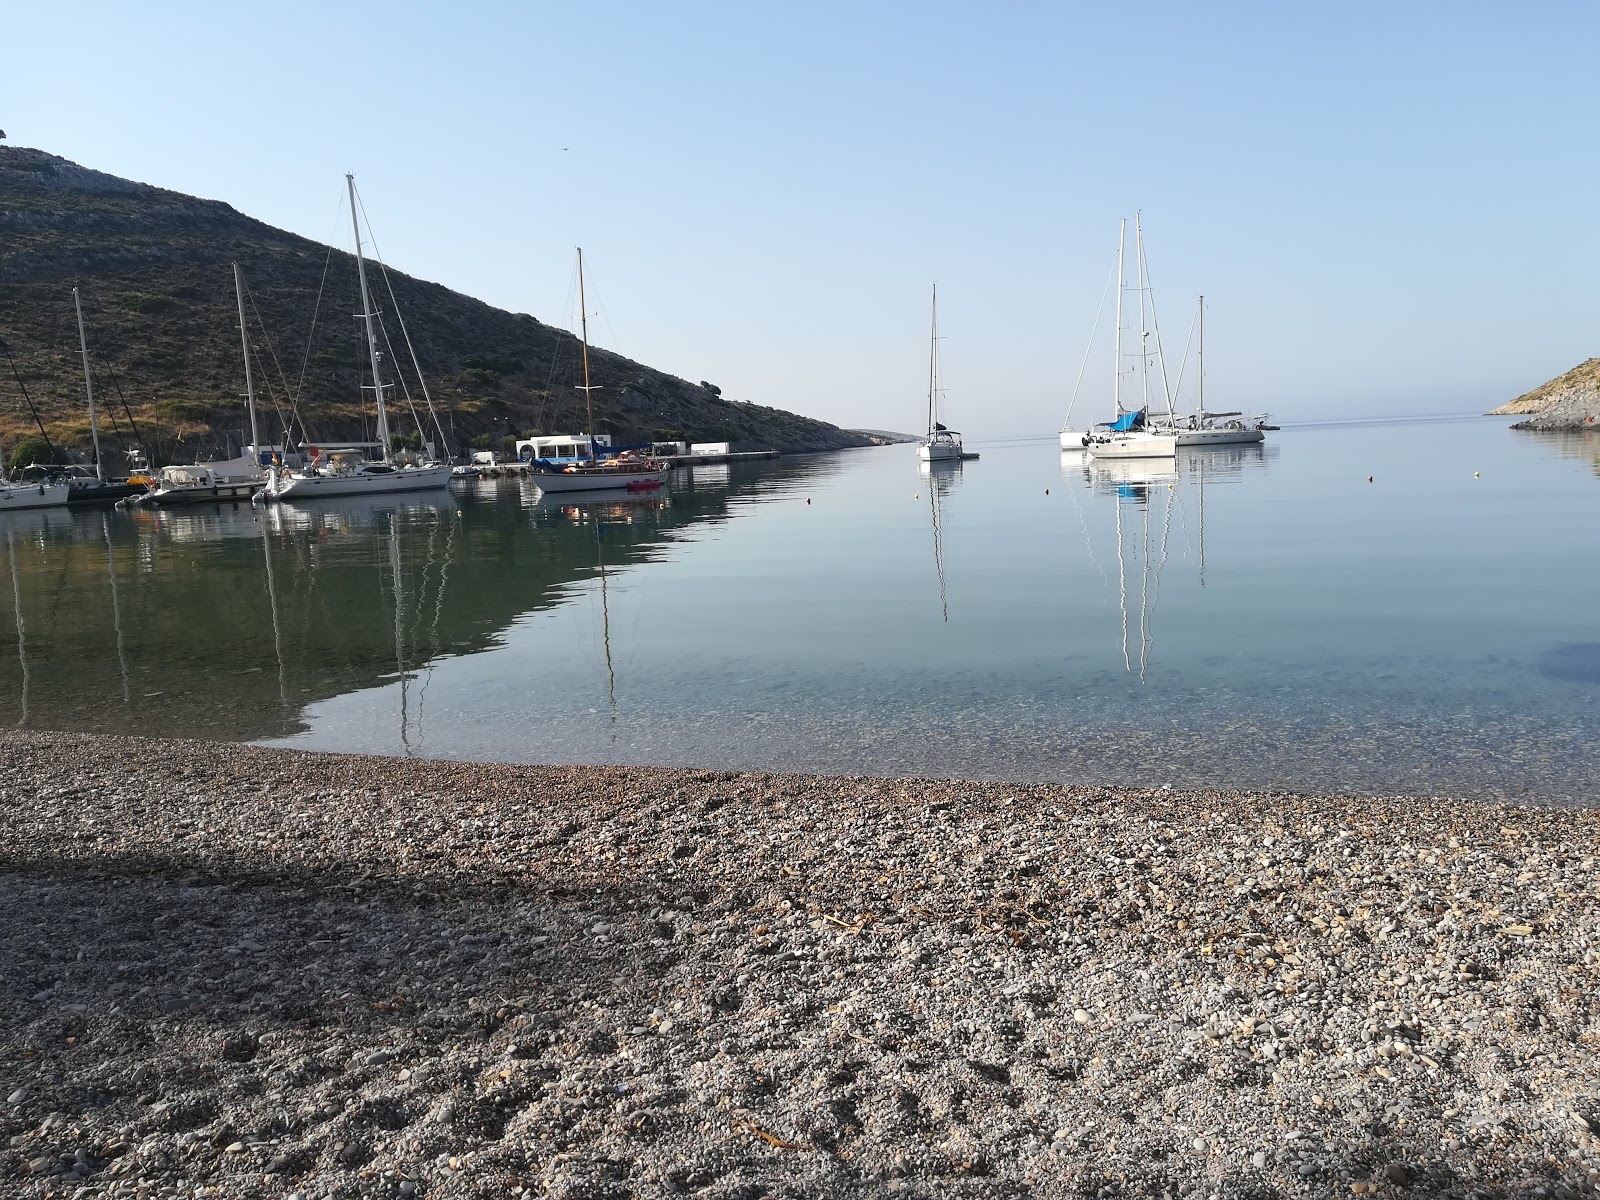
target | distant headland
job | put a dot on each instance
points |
(1570, 401)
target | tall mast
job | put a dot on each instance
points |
(88, 385)
(1116, 384)
(366, 315)
(249, 383)
(583, 324)
(933, 363)
(1202, 354)
(1144, 329)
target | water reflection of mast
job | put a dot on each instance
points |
(938, 544)
(116, 607)
(605, 618)
(272, 604)
(438, 605)
(22, 632)
(399, 632)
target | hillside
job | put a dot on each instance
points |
(153, 267)
(1570, 401)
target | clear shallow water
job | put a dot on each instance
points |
(1252, 618)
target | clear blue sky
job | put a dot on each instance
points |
(1390, 207)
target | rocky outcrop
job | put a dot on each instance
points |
(1570, 401)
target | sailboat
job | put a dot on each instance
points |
(1203, 428)
(1126, 436)
(231, 479)
(941, 444)
(622, 473)
(348, 473)
(82, 488)
(44, 494)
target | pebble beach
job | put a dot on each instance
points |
(241, 972)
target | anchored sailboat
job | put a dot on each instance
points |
(1128, 436)
(1203, 428)
(232, 479)
(348, 473)
(622, 473)
(941, 444)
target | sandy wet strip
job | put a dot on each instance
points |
(279, 974)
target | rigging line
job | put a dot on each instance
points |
(555, 355)
(271, 350)
(111, 412)
(1155, 327)
(404, 336)
(405, 388)
(1098, 313)
(116, 385)
(305, 363)
(27, 399)
(1183, 365)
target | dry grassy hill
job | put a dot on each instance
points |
(153, 267)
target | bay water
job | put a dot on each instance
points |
(1378, 607)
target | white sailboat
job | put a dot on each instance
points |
(44, 494)
(1205, 428)
(1127, 436)
(230, 479)
(622, 473)
(941, 444)
(349, 473)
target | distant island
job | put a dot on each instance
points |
(153, 268)
(1570, 401)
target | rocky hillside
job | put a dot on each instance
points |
(153, 267)
(1570, 401)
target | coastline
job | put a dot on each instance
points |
(275, 972)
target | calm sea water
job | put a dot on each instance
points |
(1245, 617)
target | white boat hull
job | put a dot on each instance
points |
(1134, 445)
(599, 481)
(15, 496)
(1073, 439)
(1219, 437)
(403, 479)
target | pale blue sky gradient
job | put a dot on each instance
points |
(1391, 208)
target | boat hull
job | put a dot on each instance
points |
(14, 497)
(88, 493)
(406, 479)
(1135, 445)
(216, 493)
(1073, 439)
(938, 452)
(1219, 437)
(600, 481)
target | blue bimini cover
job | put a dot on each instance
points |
(1127, 421)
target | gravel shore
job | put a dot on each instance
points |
(260, 973)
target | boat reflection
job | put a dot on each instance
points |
(940, 478)
(141, 619)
